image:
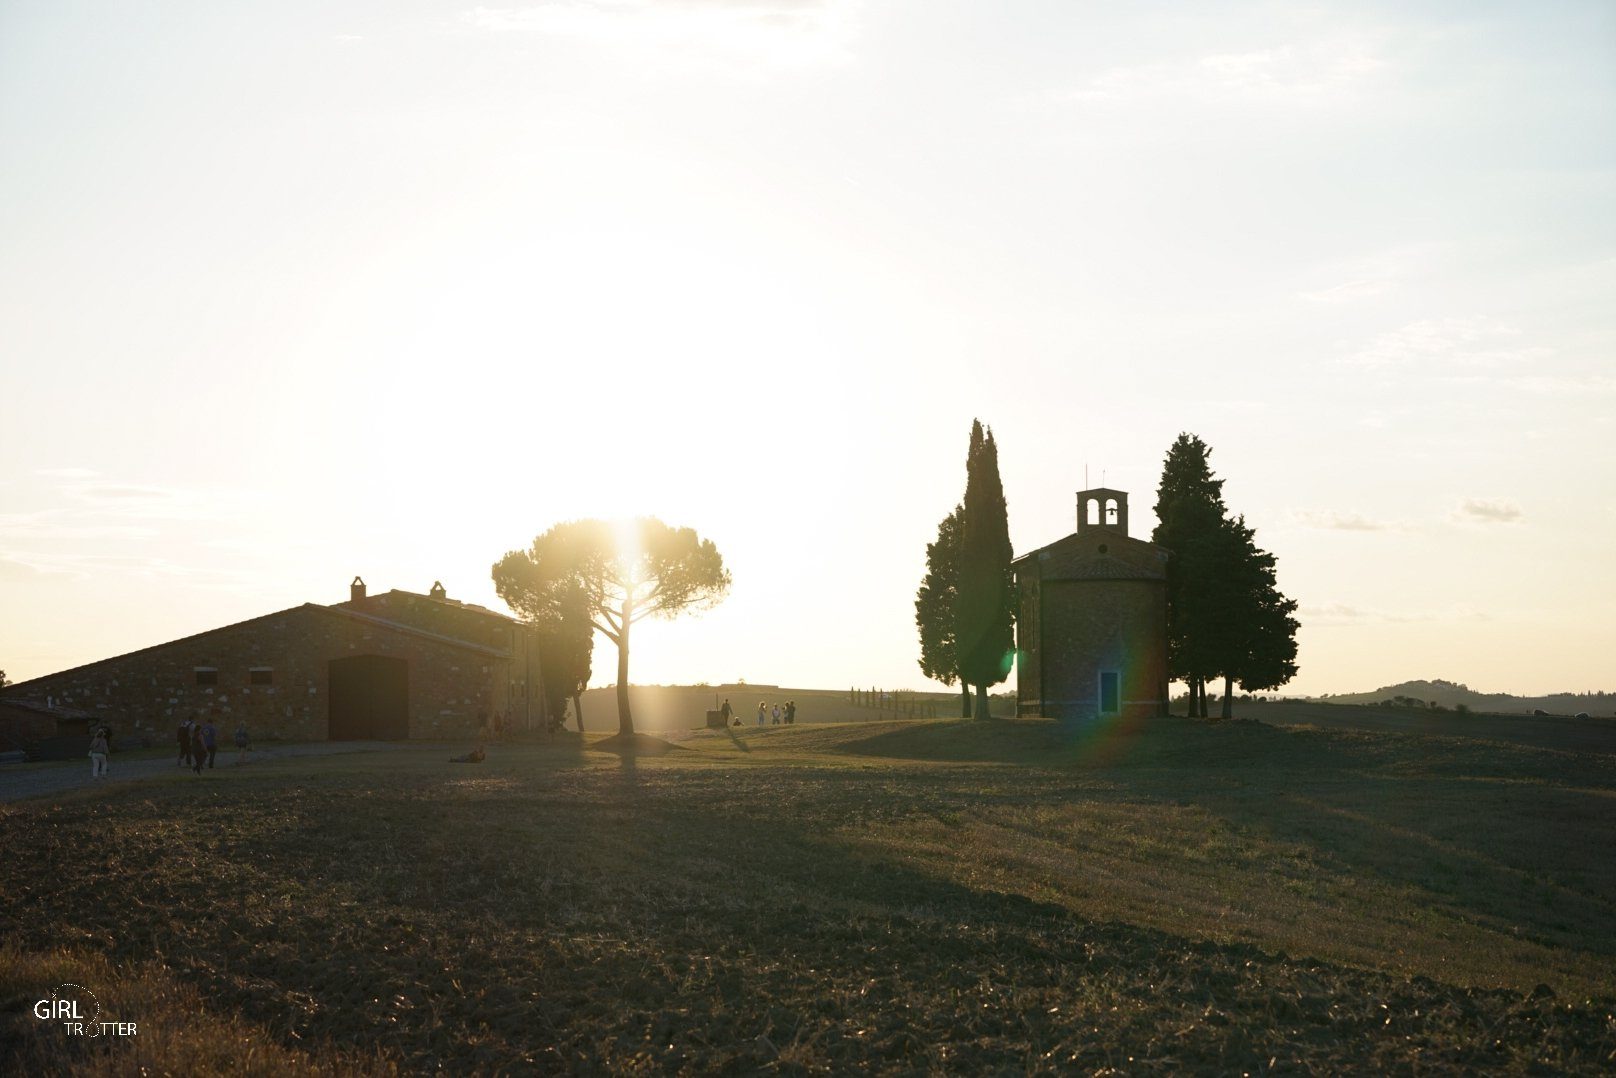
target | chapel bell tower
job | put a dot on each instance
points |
(1102, 509)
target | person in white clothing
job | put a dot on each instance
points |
(98, 754)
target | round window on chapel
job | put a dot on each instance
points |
(1103, 548)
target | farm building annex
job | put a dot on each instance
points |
(393, 665)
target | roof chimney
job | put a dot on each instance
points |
(356, 590)
(438, 591)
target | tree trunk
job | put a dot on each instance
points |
(982, 702)
(625, 717)
(965, 699)
(1228, 697)
(578, 709)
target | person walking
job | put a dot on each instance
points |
(763, 711)
(198, 750)
(791, 712)
(210, 740)
(183, 734)
(98, 753)
(729, 712)
(776, 714)
(242, 741)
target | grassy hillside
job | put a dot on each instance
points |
(890, 896)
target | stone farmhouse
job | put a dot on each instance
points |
(1091, 625)
(394, 665)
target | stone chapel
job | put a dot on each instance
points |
(1091, 625)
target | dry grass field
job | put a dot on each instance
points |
(890, 896)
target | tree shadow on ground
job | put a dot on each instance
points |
(1506, 837)
(711, 921)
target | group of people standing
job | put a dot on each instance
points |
(199, 743)
(786, 715)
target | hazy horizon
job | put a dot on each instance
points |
(298, 292)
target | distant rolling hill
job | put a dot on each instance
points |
(661, 708)
(1450, 694)
(682, 707)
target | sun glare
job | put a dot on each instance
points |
(627, 534)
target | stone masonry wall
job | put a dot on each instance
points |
(1094, 625)
(155, 689)
(1029, 645)
(519, 697)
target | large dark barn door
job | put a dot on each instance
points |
(370, 698)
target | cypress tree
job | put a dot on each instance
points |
(985, 609)
(1189, 515)
(1225, 616)
(1259, 648)
(935, 607)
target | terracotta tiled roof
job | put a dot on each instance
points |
(409, 630)
(475, 608)
(337, 610)
(1104, 567)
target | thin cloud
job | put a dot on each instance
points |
(1367, 276)
(1345, 292)
(1289, 75)
(16, 570)
(1338, 613)
(1464, 342)
(1545, 385)
(1487, 511)
(1332, 520)
(120, 492)
(56, 525)
(67, 473)
(91, 503)
(89, 566)
(766, 33)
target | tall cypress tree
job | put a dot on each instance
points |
(985, 610)
(1190, 517)
(935, 603)
(1225, 616)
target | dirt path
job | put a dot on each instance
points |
(17, 782)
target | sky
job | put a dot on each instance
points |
(292, 292)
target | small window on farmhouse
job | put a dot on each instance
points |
(1110, 694)
(261, 675)
(207, 675)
